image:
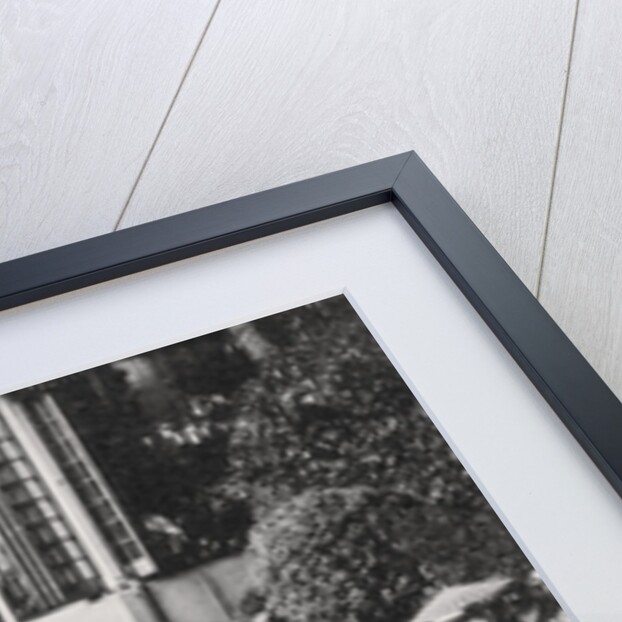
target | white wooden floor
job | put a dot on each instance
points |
(116, 113)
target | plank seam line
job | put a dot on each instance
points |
(547, 218)
(166, 116)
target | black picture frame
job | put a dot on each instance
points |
(572, 388)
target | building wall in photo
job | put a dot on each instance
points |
(67, 550)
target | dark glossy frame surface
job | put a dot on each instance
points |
(569, 384)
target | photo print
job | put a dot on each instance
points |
(276, 471)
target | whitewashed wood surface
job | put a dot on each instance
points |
(112, 114)
(84, 87)
(283, 90)
(582, 276)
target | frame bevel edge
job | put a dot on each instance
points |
(569, 384)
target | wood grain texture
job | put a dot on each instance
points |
(582, 275)
(84, 87)
(282, 91)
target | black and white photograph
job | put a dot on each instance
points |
(275, 471)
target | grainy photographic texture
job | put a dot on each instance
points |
(278, 471)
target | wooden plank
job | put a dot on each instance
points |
(582, 275)
(282, 91)
(84, 87)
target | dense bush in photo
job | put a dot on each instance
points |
(339, 554)
(361, 554)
